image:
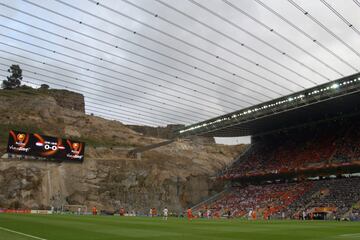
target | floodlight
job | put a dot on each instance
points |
(334, 86)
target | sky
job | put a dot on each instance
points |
(159, 62)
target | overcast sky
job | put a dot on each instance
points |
(158, 62)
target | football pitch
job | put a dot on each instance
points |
(68, 227)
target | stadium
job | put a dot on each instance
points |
(191, 119)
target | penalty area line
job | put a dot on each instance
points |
(20, 233)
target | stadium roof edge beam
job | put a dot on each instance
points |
(230, 125)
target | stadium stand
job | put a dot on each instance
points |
(314, 147)
(269, 199)
(333, 196)
(330, 198)
(296, 172)
(337, 193)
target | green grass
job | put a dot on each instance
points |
(66, 227)
(22, 92)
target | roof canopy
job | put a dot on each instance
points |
(336, 98)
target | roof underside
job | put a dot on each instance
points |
(332, 108)
(339, 98)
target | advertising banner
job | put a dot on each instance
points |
(52, 148)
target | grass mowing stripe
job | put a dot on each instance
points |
(20, 233)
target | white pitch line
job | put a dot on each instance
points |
(349, 235)
(20, 233)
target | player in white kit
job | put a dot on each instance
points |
(165, 213)
(208, 213)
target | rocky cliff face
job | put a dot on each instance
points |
(177, 175)
(68, 99)
(158, 132)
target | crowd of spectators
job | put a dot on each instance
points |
(348, 145)
(333, 198)
(266, 200)
(311, 147)
(324, 146)
(337, 193)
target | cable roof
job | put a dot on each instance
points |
(160, 62)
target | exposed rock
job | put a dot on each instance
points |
(176, 175)
(71, 132)
(68, 99)
(158, 132)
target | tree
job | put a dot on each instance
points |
(44, 87)
(14, 80)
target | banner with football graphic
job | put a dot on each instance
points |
(33, 144)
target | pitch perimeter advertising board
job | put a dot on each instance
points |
(33, 144)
